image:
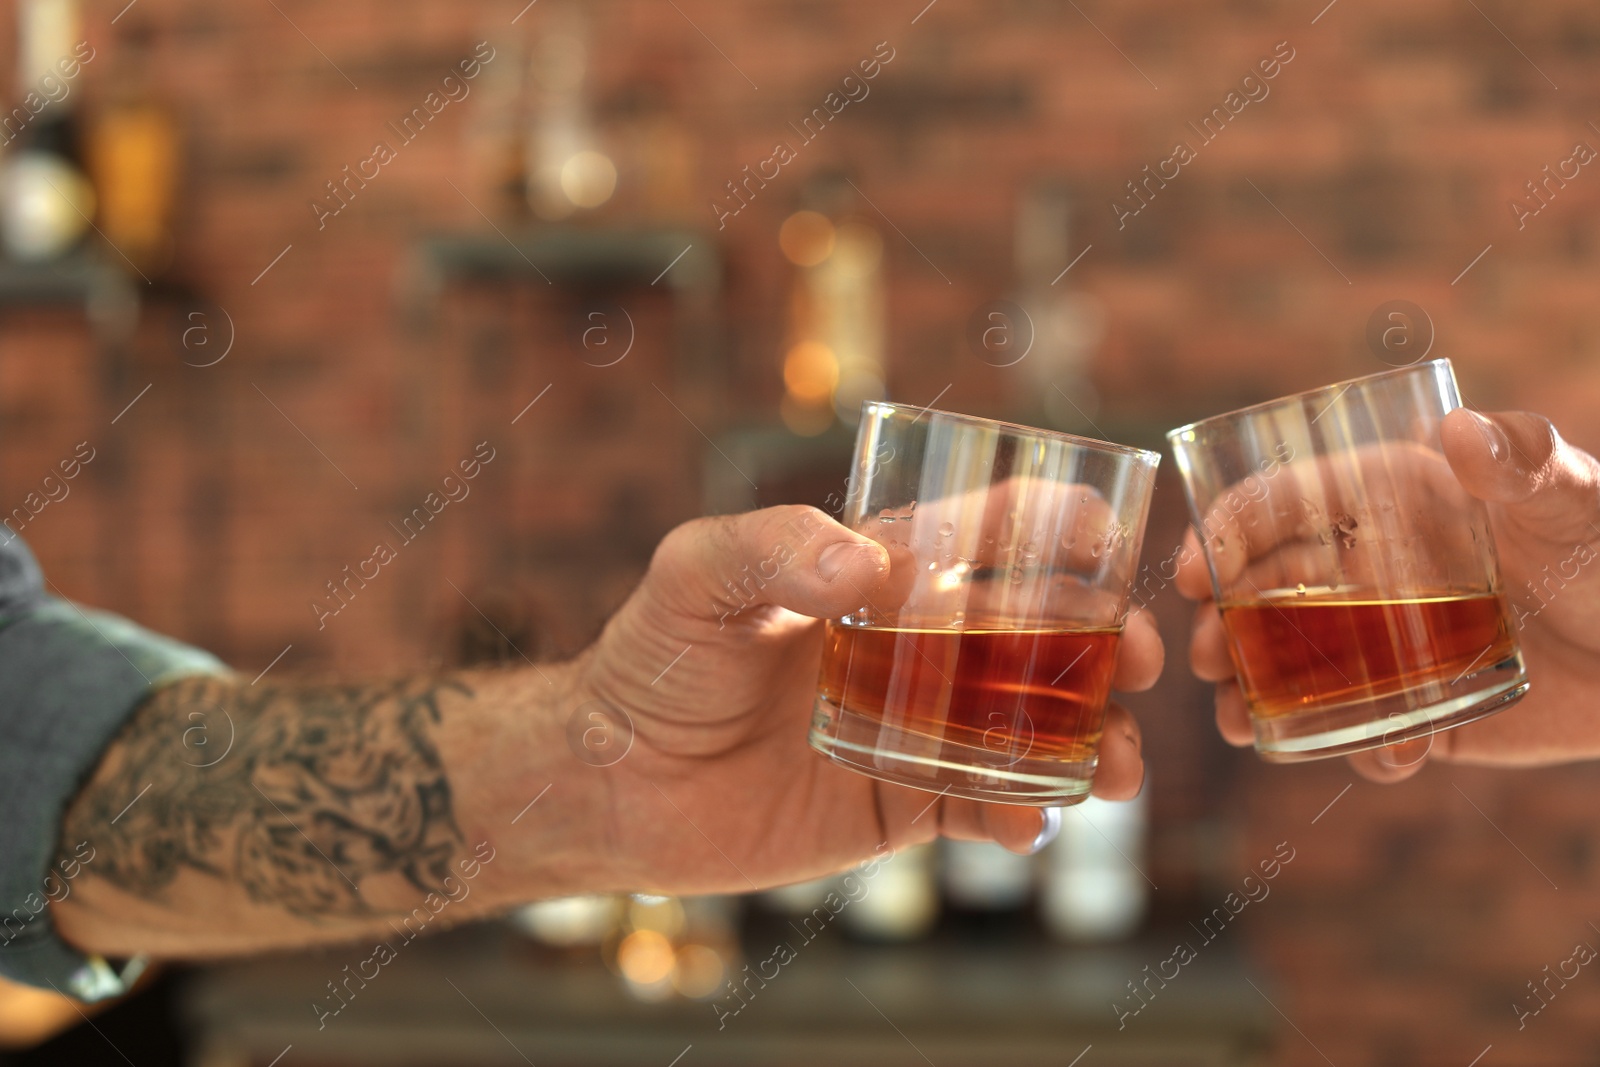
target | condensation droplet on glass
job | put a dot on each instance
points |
(946, 529)
(1016, 576)
(932, 566)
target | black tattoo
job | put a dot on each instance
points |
(321, 787)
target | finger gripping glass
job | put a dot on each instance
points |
(1356, 578)
(982, 667)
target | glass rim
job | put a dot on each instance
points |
(1174, 435)
(1016, 429)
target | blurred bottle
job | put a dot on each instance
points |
(494, 132)
(666, 166)
(133, 146)
(660, 946)
(1061, 326)
(46, 201)
(799, 898)
(851, 300)
(566, 171)
(835, 356)
(982, 876)
(684, 946)
(646, 954)
(1094, 889)
(708, 949)
(570, 922)
(900, 902)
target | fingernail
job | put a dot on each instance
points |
(835, 558)
(1493, 437)
(1047, 833)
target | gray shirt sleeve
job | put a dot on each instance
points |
(69, 678)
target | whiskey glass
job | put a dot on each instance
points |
(1356, 579)
(983, 669)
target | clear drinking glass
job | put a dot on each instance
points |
(983, 669)
(1356, 578)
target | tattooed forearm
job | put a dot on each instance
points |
(303, 795)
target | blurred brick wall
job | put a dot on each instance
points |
(1380, 165)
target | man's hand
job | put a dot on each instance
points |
(720, 791)
(1544, 503)
(231, 816)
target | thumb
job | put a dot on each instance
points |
(1518, 460)
(793, 557)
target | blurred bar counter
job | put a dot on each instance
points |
(482, 995)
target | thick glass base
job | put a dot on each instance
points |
(1340, 729)
(894, 755)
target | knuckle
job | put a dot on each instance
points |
(693, 540)
(671, 547)
(801, 516)
(718, 536)
(794, 524)
(806, 513)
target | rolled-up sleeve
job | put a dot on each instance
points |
(69, 678)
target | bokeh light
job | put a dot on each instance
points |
(645, 958)
(864, 244)
(588, 178)
(806, 238)
(811, 372)
(570, 921)
(700, 971)
(664, 915)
